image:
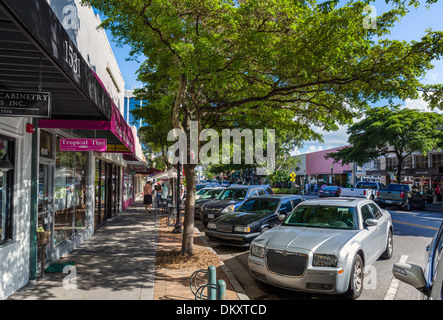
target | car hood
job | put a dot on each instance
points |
(241, 218)
(221, 203)
(200, 202)
(317, 240)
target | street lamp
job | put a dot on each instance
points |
(332, 173)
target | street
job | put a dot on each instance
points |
(413, 231)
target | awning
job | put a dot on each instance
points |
(117, 132)
(171, 173)
(34, 45)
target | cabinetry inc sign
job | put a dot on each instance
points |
(99, 145)
(25, 104)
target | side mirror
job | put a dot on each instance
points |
(410, 274)
(282, 216)
(371, 222)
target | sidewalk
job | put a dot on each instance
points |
(119, 263)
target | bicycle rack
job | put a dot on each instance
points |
(215, 289)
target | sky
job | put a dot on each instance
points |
(412, 27)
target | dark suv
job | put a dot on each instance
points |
(230, 199)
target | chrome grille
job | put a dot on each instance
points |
(286, 263)
(224, 227)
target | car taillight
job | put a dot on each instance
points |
(364, 192)
(377, 193)
(402, 195)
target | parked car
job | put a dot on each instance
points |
(207, 185)
(401, 195)
(363, 189)
(323, 246)
(206, 192)
(209, 195)
(230, 199)
(430, 281)
(330, 191)
(255, 216)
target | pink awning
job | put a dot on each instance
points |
(117, 126)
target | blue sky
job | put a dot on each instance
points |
(412, 27)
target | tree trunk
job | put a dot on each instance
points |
(188, 223)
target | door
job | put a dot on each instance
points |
(371, 241)
(45, 197)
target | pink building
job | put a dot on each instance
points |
(318, 168)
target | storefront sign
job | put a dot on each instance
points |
(83, 145)
(25, 104)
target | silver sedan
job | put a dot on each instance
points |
(323, 246)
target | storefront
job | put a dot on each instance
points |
(108, 195)
(42, 185)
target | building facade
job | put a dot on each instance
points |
(61, 97)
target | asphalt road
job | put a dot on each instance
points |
(413, 231)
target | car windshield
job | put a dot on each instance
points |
(333, 217)
(211, 194)
(233, 194)
(259, 205)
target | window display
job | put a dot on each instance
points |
(70, 189)
(6, 188)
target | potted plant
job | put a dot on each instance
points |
(43, 236)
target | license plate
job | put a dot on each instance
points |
(210, 216)
(389, 201)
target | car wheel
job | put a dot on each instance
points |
(356, 279)
(389, 247)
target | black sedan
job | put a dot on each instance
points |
(330, 191)
(210, 195)
(254, 216)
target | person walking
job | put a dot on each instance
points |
(147, 196)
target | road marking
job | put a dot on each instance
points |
(415, 225)
(395, 283)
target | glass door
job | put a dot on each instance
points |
(45, 197)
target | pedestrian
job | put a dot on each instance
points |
(307, 188)
(438, 192)
(158, 191)
(147, 196)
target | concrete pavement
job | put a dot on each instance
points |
(118, 263)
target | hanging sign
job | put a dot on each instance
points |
(75, 144)
(25, 104)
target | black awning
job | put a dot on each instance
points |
(34, 44)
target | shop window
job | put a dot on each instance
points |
(421, 162)
(70, 192)
(46, 145)
(6, 188)
(437, 160)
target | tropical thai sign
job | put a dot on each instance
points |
(79, 144)
(25, 104)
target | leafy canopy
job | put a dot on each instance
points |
(392, 130)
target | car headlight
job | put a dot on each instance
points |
(242, 229)
(212, 226)
(257, 251)
(324, 260)
(228, 209)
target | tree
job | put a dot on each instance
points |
(392, 130)
(296, 64)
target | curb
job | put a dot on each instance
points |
(237, 287)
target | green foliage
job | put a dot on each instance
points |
(392, 130)
(290, 64)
